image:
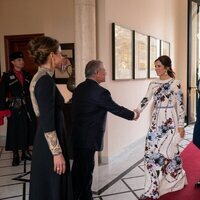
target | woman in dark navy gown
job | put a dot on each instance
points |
(50, 164)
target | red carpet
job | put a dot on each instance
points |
(191, 164)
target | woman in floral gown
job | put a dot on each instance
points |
(162, 163)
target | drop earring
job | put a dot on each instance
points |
(52, 63)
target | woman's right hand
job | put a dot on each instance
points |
(59, 164)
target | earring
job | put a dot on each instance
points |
(52, 62)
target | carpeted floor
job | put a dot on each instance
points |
(191, 163)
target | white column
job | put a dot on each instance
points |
(85, 36)
(85, 39)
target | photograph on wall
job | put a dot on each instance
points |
(165, 48)
(122, 52)
(141, 55)
(67, 50)
(154, 53)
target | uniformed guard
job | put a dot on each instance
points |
(15, 104)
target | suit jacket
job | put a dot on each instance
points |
(90, 103)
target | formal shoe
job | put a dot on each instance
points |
(15, 161)
(26, 155)
(197, 184)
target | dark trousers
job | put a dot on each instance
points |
(82, 174)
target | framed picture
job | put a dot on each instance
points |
(122, 53)
(154, 53)
(67, 49)
(164, 48)
(141, 55)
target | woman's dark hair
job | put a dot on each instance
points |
(166, 61)
(40, 48)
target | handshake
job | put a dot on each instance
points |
(136, 114)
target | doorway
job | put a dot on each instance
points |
(19, 43)
(193, 58)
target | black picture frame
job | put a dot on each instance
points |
(66, 49)
(164, 48)
(153, 54)
(122, 53)
(140, 55)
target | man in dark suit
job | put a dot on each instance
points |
(90, 103)
(196, 132)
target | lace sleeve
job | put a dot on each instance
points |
(53, 143)
(179, 104)
(142, 105)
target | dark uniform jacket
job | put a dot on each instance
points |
(22, 122)
(90, 103)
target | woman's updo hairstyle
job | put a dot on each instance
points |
(40, 48)
(166, 61)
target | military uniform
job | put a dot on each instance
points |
(15, 96)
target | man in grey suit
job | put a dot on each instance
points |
(90, 103)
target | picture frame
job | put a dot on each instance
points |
(122, 53)
(153, 54)
(140, 55)
(164, 48)
(67, 49)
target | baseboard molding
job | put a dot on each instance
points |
(138, 144)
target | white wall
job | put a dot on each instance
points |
(166, 20)
(53, 18)
(180, 45)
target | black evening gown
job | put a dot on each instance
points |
(44, 182)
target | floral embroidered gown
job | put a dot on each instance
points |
(162, 162)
